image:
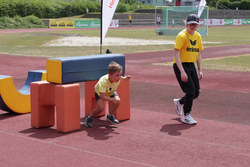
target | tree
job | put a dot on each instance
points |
(212, 3)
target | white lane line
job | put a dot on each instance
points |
(183, 138)
(80, 150)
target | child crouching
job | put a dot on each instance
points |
(105, 90)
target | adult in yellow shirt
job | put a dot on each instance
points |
(188, 47)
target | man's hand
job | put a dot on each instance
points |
(184, 77)
(200, 75)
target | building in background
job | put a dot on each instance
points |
(170, 2)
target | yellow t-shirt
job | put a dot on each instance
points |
(129, 17)
(104, 86)
(189, 46)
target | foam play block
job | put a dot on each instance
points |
(81, 68)
(90, 102)
(123, 111)
(68, 107)
(18, 101)
(42, 99)
(46, 97)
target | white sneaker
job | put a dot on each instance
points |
(178, 107)
(188, 120)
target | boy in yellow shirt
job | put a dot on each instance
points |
(130, 18)
(105, 90)
(188, 45)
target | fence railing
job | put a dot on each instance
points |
(220, 6)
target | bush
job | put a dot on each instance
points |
(18, 22)
(245, 5)
(242, 5)
(33, 20)
(122, 7)
(47, 8)
(58, 8)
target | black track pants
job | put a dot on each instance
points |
(190, 88)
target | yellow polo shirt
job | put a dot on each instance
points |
(189, 46)
(105, 86)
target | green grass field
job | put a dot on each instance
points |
(238, 63)
(31, 44)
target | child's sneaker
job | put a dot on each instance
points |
(188, 120)
(112, 119)
(178, 107)
(88, 121)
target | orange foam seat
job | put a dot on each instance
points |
(68, 107)
(42, 104)
(45, 96)
(122, 113)
(90, 102)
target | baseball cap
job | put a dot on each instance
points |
(193, 19)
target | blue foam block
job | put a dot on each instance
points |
(87, 68)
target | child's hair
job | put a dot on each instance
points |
(114, 67)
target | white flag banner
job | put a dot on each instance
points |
(108, 10)
(201, 7)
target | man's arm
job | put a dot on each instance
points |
(184, 77)
(199, 65)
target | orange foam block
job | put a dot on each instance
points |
(122, 113)
(42, 97)
(68, 107)
(46, 96)
(90, 102)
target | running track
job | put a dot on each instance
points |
(154, 136)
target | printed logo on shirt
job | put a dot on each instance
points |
(192, 50)
(192, 42)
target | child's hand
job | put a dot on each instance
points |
(115, 101)
(127, 77)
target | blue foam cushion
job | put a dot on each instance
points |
(35, 75)
(88, 68)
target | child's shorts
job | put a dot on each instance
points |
(97, 97)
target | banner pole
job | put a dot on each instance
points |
(101, 29)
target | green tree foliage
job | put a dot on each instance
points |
(58, 8)
(212, 3)
(21, 22)
(233, 4)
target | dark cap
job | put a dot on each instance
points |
(193, 19)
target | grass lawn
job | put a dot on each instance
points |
(31, 44)
(239, 63)
(236, 63)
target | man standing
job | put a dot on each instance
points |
(188, 45)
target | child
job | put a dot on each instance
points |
(158, 20)
(105, 90)
(188, 45)
(130, 18)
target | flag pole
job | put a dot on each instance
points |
(101, 29)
